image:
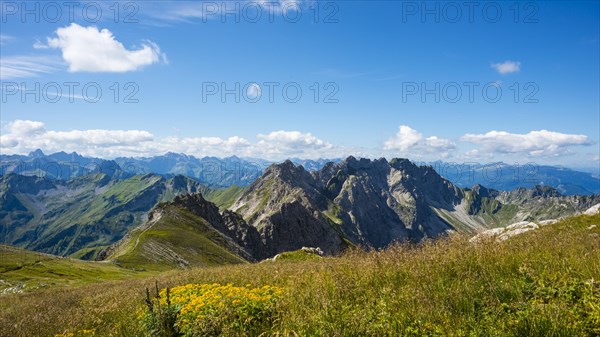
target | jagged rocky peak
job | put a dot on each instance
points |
(286, 170)
(363, 163)
(545, 191)
(403, 164)
(483, 192)
(201, 207)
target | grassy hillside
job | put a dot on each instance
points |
(541, 283)
(25, 271)
(176, 238)
(224, 198)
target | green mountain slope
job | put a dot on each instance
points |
(23, 271)
(224, 198)
(179, 235)
(80, 217)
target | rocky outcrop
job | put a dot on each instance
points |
(373, 203)
(504, 233)
(592, 210)
(369, 203)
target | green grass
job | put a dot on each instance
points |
(541, 283)
(224, 198)
(34, 271)
(178, 239)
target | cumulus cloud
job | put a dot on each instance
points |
(405, 138)
(409, 141)
(534, 143)
(439, 143)
(88, 49)
(507, 67)
(23, 136)
(292, 143)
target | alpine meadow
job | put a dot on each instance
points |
(294, 168)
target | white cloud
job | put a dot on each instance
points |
(439, 143)
(534, 143)
(23, 136)
(26, 66)
(408, 141)
(292, 143)
(507, 67)
(406, 138)
(87, 49)
(25, 128)
(293, 139)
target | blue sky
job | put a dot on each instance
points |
(370, 60)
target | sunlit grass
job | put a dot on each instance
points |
(541, 283)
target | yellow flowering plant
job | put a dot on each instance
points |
(214, 309)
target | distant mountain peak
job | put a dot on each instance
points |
(36, 154)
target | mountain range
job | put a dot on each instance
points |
(233, 171)
(157, 222)
(78, 217)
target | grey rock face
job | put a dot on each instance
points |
(369, 203)
(373, 203)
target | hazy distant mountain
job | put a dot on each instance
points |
(502, 176)
(212, 171)
(230, 171)
(313, 165)
(60, 165)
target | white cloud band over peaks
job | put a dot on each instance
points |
(534, 143)
(24, 136)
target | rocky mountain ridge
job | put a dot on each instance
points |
(367, 203)
(356, 202)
